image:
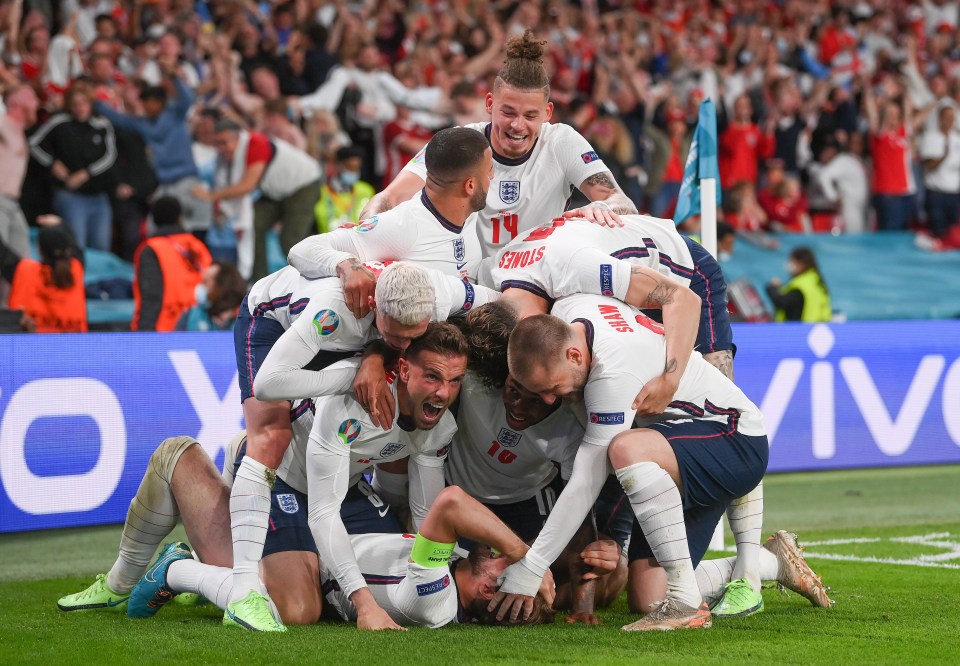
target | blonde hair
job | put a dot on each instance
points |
(405, 293)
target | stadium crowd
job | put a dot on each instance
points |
(834, 116)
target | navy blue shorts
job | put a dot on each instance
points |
(288, 529)
(717, 465)
(528, 516)
(613, 512)
(254, 337)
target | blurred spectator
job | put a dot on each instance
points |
(726, 239)
(665, 162)
(743, 145)
(135, 183)
(167, 269)
(402, 139)
(324, 136)
(49, 291)
(79, 150)
(940, 152)
(21, 103)
(288, 180)
(344, 195)
(277, 124)
(364, 95)
(892, 127)
(787, 209)
(804, 297)
(842, 180)
(742, 210)
(218, 295)
(164, 127)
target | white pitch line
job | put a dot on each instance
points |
(880, 560)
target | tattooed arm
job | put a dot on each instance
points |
(681, 319)
(608, 201)
(722, 360)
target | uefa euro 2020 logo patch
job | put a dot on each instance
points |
(509, 191)
(288, 503)
(348, 431)
(367, 225)
(326, 322)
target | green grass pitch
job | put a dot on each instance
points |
(887, 541)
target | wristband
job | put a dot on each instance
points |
(429, 553)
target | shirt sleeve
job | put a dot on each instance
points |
(384, 237)
(576, 157)
(426, 482)
(258, 149)
(456, 297)
(932, 145)
(417, 166)
(328, 476)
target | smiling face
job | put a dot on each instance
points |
(430, 382)
(523, 408)
(516, 116)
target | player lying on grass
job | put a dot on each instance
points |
(285, 307)
(415, 579)
(711, 443)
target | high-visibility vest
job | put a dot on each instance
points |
(334, 209)
(53, 310)
(816, 299)
(183, 258)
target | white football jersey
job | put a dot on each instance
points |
(497, 464)
(413, 231)
(342, 426)
(628, 349)
(412, 595)
(529, 191)
(567, 257)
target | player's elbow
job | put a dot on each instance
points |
(266, 388)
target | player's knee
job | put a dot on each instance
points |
(165, 458)
(450, 498)
(623, 451)
(269, 445)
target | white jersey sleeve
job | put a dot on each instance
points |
(426, 482)
(455, 297)
(427, 596)
(576, 157)
(384, 237)
(325, 323)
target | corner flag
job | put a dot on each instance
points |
(701, 164)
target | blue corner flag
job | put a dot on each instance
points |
(701, 163)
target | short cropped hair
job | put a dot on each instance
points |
(441, 338)
(536, 342)
(405, 293)
(523, 67)
(227, 125)
(488, 330)
(453, 154)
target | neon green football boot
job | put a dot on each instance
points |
(739, 600)
(97, 596)
(253, 613)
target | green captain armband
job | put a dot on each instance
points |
(430, 554)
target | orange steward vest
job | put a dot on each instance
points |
(52, 309)
(183, 258)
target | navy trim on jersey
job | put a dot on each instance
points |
(664, 259)
(444, 222)
(405, 424)
(733, 415)
(377, 579)
(503, 159)
(298, 306)
(301, 409)
(526, 286)
(588, 325)
(270, 306)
